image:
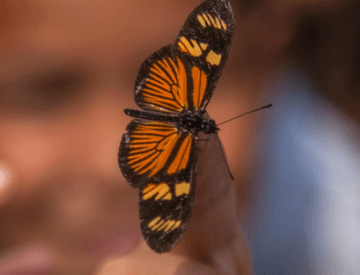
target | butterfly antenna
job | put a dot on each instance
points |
(264, 107)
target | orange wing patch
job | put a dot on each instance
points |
(151, 145)
(166, 87)
(200, 82)
(182, 157)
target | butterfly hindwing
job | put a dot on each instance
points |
(159, 160)
(153, 149)
(165, 206)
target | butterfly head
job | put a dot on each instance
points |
(209, 126)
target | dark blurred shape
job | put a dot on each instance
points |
(329, 46)
(304, 217)
(307, 155)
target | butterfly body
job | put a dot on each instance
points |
(159, 151)
(185, 121)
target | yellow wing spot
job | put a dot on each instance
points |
(215, 23)
(213, 58)
(161, 191)
(164, 225)
(169, 225)
(159, 224)
(176, 225)
(201, 20)
(191, 47)
(154, 221)
(182, 188)
(203, 46)
(206, 19)
(182, 157)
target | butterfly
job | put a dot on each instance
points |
(158, 153)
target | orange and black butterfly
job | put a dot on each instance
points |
(158, 152)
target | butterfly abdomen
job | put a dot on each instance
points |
(150, 115)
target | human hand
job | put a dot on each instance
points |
(213, 243)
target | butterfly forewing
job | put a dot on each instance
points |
(184, 75)
(161, 84)
(206, 39)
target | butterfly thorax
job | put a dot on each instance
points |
(197, 122)
(186, 121)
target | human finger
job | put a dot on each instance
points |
(214, 236)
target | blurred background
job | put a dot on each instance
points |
(69, 67)
(304, 213)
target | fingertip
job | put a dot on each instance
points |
(213, 177)
(35, 259)
(211, 156)
(6, 179)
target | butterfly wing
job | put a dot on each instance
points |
(165, 217)
(184, 75)
(206, 39)
(161, 84)
(161, 161)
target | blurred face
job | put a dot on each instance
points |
(66, 73)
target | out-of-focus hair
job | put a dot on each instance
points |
(328, 45)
